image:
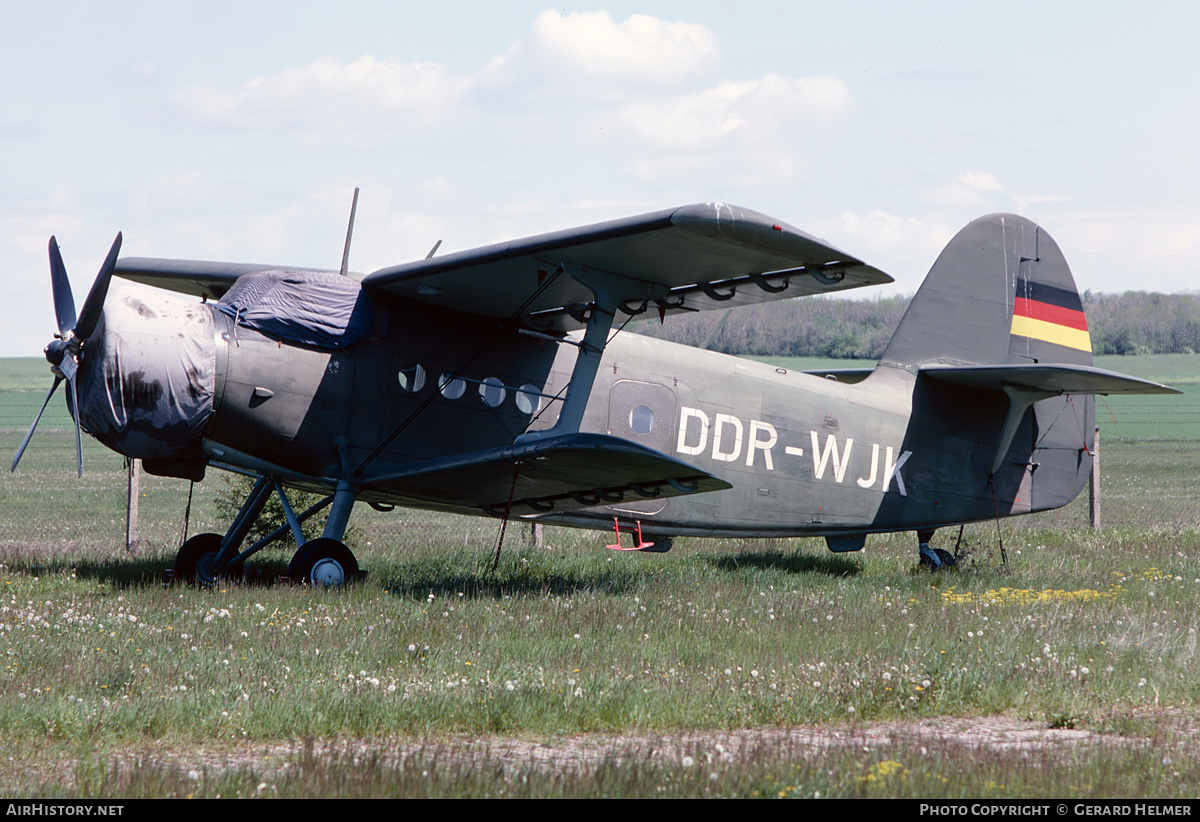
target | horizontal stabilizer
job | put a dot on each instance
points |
(555, 474)
(1051, 379)
(1026, 385)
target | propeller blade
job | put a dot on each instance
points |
(37, 419)
(64, 302)
(90, 314)
(75, 415)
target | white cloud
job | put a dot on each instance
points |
(581, 85)
(566, 59)
(750, 111)
(973, 191)
(904, 247)
(643, 49)
(1130, 251)
(326, 97)
(980, 181)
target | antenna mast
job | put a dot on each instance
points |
(349, 234)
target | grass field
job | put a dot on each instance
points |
(725, 668)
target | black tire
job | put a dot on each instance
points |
(194, 560)
(323, 562)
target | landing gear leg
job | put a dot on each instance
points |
(327, 562)
(206, 558)
(933, 558)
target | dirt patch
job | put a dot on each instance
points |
(589, 750)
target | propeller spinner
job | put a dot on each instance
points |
(67, 348)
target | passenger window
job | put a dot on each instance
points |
(492, 391)
(529, 399)
(412, 377)
(451, 387)
(641, 420)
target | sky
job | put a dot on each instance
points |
(227, 130)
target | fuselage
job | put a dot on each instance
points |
(805, 454)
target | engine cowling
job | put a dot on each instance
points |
(147, 376)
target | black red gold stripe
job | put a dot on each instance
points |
(1051, 314)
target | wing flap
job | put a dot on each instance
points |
(558, 474)
(691, 258)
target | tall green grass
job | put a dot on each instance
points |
(102, 662)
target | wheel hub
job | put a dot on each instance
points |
(204, 570)
(327, 573)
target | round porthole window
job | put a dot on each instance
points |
(529, 399)
(451, 387)
(492, 391)
(641, 420)
(412, 377)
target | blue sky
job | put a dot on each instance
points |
(237, 131)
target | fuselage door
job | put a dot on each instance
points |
(645, 413)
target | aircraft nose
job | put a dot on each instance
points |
(147, 374)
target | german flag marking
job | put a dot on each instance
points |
(1051, 314)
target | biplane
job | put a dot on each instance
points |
(493, 382)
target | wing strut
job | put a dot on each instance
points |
(610, 291)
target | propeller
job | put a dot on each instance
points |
(66, 350)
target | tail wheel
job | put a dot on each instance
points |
(194, 562)
(324, 562)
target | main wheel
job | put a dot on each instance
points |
(194, 562)
(324, 562)
(945, 559)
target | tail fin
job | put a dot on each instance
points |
(1000, 312)
(1000, 293)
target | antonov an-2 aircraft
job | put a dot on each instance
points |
(493, 382)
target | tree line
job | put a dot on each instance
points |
(1135, 322)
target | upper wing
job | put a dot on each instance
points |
(199, 277)
(691, 258)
